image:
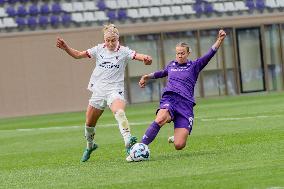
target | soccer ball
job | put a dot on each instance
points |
(140, 152)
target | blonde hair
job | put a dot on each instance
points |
(183, 44)
(110, 29)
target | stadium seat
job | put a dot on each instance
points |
(9, 22)
(155, 3)
(12, 1)
(24, 1)
(176, 10)
(198, 8)
(89, 16)
(11, 11)
(101, 16)
(178, 2)
(122, 14)
(144, 3)
(44, 9)
(54, 20)
(32, 22)
(271, 4)
(240, 6)
(208, 8)
(167, 2)
(56, 8)
(155, 12)
(2, 2)
(33, 9)
(189, 1)
(78, 6)
(166, 11)
(2, 12)
(280, 3)
(187, 9)
(67, 7)
(133, 13)
(250, 4)
(101, 5)
(219, 7)
(21, 11)
(43, 21)
(90, 6)
(112, 15)
(122, 4)
(144, 13)
(260, 5)
(66, 19)
(77, 17)
(229, 7)
(111, 4)
(21, 22)
(134, 4)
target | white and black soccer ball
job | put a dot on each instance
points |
(139, 152)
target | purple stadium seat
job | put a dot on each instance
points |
(43, 21)
(12, 1)
(24, 1)
(21, 22)
(121, 14)
(32, 22)
(66, 19)
(2, 2)
(101, 5)
(111, 14)
(54, 20)
(208, 8)
(33, 9)
(260, 5)
(11, 11)
(21, 11)
(250, 4)
(44, 9)
(56, 8)
(198, 8)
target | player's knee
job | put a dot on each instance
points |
(160, 121)
(179, 145)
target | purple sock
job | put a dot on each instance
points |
(151, 133)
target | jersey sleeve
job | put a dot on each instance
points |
(161, 73)
(92, 52)
(203, 61)
(130, 54)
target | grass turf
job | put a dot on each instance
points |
(237, 142)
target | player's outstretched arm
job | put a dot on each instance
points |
(144, 79)
(221, 36)
(72, 52)
(145, 58)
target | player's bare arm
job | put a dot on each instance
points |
(144, 79)
(221, 36)
(145, 58)
(72, 52)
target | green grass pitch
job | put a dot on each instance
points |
(236, 142)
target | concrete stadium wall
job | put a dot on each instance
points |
(38, 78)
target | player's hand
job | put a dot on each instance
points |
(61, 43)
(222, 34)
(143, 80)
(147, 60)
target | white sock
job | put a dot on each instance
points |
(89, 135)
(123, 125)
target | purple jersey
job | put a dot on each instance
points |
(182, 77)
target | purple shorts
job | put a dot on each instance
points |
(180, 109)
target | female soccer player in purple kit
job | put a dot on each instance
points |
(177, 101)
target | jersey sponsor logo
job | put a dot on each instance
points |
(108, 65)
(179, 69)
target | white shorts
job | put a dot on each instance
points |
(102, 99)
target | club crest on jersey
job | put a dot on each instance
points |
(108, 65)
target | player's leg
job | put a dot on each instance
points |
(163, 117)
(94, 111)
(180, 138)
(118, 108)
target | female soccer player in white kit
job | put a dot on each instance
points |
(106, 84)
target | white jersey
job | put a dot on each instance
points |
(110, 67)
